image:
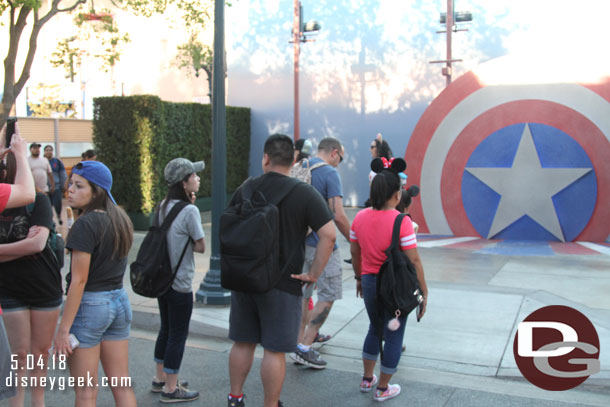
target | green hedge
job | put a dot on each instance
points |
(137, 135)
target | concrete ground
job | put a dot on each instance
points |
(460, 354)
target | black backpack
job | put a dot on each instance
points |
(398, 288)
(151, 274)
(249, 239)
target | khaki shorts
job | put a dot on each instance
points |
(330, 282)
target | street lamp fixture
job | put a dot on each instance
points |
(300, 33)
(450, 18)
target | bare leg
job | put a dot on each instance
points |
(273, 371)
(160, 373)
(171, 381)
(17, 325)
(240, 362)
(384, 380)
(369, 367)
(318, 317)
(305, 315)
(115, 361)
(42, 327)
(83, 365)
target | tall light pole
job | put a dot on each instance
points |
(449, 19)
(299, 32)
(210, 290)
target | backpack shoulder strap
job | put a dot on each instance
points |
(396, 233)
(167, 222)
(247, 189)
(318, 165)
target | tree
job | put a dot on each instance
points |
(191, 14)
(49, 103)
(194, 55)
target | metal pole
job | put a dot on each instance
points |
(449, 26)
(210, 291)
(296, 41)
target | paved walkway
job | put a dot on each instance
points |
(461, 352)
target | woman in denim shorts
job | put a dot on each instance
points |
(30, 287)
(97, 311)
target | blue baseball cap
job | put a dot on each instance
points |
(97, 173)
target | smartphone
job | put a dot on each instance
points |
(10, 130)
(73, 342)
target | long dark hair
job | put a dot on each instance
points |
(176, 191)
(384, 185)
(120, 222)
(8, 169)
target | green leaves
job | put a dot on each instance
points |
(136, 136)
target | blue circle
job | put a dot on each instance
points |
(574, 204)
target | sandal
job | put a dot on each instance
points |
(321, 338)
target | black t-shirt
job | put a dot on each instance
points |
(303, 207)
(93, 233)
(35, 277)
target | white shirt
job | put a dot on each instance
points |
(40, 168)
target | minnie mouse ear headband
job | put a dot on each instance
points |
(395, 164)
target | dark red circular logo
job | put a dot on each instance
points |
(556, 348)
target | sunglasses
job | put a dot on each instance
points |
(340, 157)
(373, 146)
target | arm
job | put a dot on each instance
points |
(23, 191)
(199, 245)
(51, 180)
(327, 237)
(63, 177)
(336, 206)
(354, 248)
(413, 255)
(29, 245)
(195, 228)
(80, 274)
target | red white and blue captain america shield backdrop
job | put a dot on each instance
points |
(505, 152)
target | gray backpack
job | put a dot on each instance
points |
(302, 170)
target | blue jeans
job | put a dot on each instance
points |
(392, 347)
(175, 310)
(55, 197)
(102, 316)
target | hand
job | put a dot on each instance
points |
(18, 145)
(305, 277)
(423, 308)
(61, 344)
(359, 289)
(34, 230)
(192, 197)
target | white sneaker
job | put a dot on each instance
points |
(392, 391)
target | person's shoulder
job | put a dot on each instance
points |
(191, 209)
(93, 217)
